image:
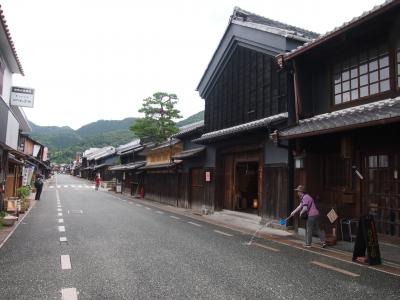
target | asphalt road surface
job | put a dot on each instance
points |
(78, 243)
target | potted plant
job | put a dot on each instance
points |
(7, 220)
(23, 193)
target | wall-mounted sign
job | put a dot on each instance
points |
(208, 176)
(22, 96)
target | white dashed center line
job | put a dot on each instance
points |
(60, 220)
(159, 212)
(52, 187)
(173, 217)
(59, 209)
(61, 228)
(65, 186)
(63, 239)
(195, 224)
(148, 208)
(60, 214)
(223, 233)
(138, 205)
(65, 262)
(69, 294)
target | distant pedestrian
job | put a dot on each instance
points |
(309, 212)
(97, 180)
(38, 186)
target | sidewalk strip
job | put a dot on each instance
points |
(176, 218)
(223, 233)
(195, 224)
(61, 228)
(266, 247)
(69, 294)
(322, 265)
(65, 262)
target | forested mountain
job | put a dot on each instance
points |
(64, 142)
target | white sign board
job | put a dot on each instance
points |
(332, 216)
(22, 96)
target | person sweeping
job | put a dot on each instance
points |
(309, 212)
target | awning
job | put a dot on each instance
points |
(160, 166)
(380, 112)
(189, 153)
(101, 166)
(242, 128)
(14, 160)
(130, 166)
(38, 162)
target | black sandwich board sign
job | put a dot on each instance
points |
(367, 239)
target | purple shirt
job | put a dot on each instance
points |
(309, 202)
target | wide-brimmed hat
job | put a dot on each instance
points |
(301, 188)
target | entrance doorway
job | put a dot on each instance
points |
(246, 187)
(381, 192)
(196, 188)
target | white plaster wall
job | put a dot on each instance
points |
(12, 131)
(7, 83)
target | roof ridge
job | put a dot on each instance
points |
(330, 33)
(10, 41)
(297, 29)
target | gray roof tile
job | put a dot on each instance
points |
(339, 120)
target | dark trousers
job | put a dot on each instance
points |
(38, 193)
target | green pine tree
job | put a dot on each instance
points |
(159, 113)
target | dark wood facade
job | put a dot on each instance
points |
(249, 88)
(351, 166)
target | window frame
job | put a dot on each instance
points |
(392, 75)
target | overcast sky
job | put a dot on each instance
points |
(92, 59)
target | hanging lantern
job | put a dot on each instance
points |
(255, 203)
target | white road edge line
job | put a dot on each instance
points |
(65, 262)
(223, 233)
(322, 265)
(266, 247)
(69, 294)
(195, 224)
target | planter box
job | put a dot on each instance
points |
(9, 220)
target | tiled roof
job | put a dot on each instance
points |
(130, 166)
(129, 146)
(339, 29)
(189, 153)
(228, 132)
(243, 17)
(10, 41)
(359, 116)
(159, 166)
(184, 130)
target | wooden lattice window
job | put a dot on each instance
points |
(362, 75)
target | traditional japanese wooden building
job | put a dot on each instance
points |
(193, 174)
(125, 172)
(345, 136)
(246, 97)
(161, 180)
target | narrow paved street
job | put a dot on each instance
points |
(98, 246)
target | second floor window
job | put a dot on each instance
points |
(362, 75)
